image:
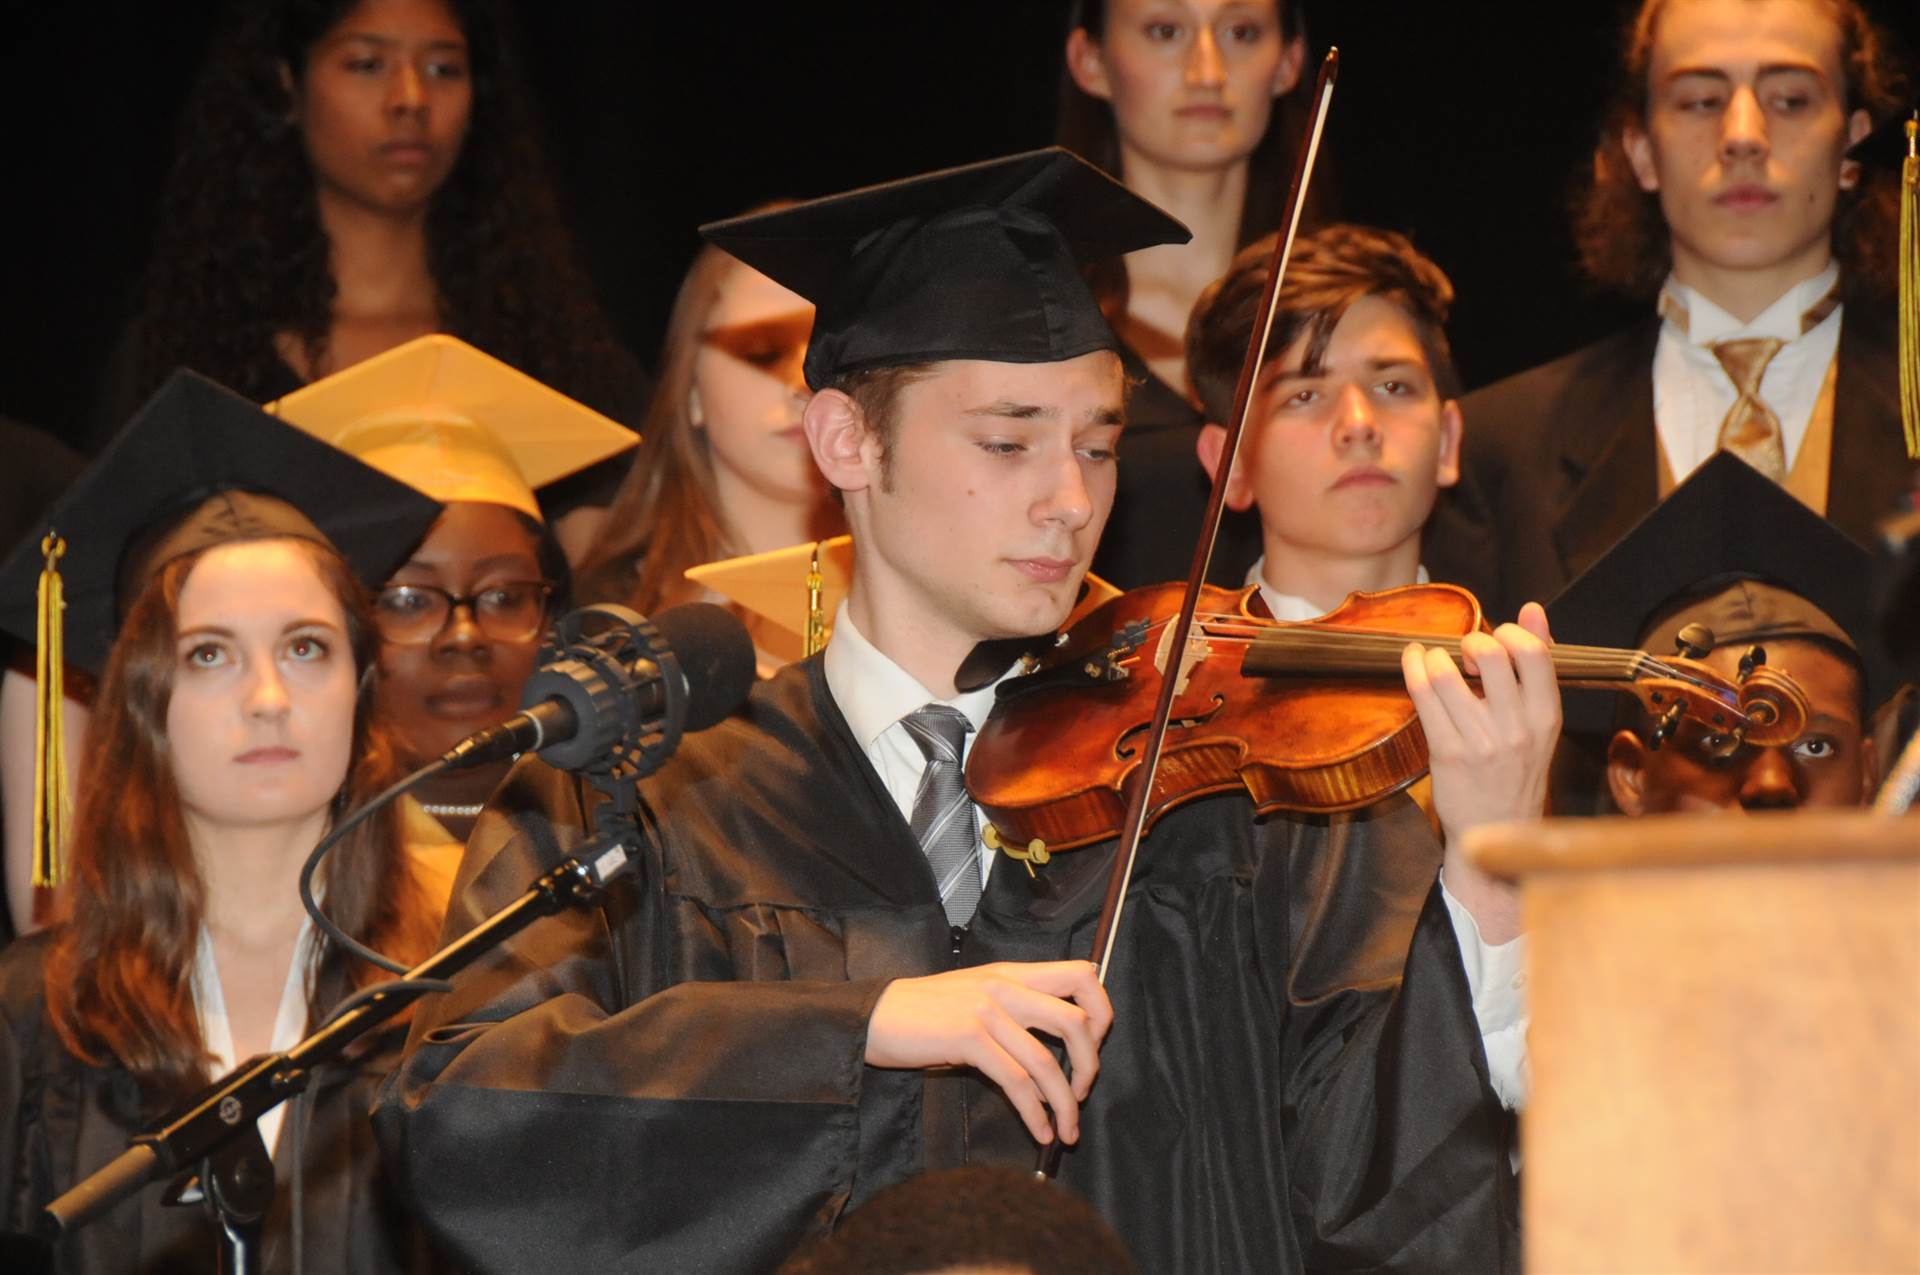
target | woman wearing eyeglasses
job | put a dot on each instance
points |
(461, 621)
(460, 630)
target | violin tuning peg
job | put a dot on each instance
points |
(1753, 659)
(1668, 723)
(1721, 748)
(1693, 641)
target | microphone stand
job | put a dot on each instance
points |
(216, 1131)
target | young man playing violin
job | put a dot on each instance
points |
(813, 987)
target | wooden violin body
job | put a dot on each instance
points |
(1054, 762)
(1310, 717)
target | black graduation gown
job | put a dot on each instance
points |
(61, 1119)
(676, 1077)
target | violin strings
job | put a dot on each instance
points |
(1369, 651)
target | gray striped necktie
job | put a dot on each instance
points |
(943, 821)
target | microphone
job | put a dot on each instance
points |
(610, 681)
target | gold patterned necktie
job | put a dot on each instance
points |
(1750, 429)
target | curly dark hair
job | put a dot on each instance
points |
(240, 254)
(1330, 269)
(1619, 229)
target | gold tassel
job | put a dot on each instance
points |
(49, 724)
(1910, 290)
(816, 617)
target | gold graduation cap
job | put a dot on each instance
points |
(800, 587)
(454, 423)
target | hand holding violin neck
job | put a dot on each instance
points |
(1312, 717)
(1765, 707)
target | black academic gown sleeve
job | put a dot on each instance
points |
(679, 1070)
(61, 1119)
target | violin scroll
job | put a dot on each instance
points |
(1764, 708)
(1775, 706)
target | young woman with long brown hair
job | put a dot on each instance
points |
(1193, 105)
(234, 725)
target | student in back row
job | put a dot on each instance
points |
(1770, 581)
(211, 569)
(1722, 196)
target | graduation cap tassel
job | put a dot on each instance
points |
(49, 724)
(816, 636)
(1910, 290)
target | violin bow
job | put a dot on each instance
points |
(1134, 823)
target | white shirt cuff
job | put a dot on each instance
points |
(1497, 979)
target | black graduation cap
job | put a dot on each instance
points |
(199, 465)
(1733, 550)
(977, 262)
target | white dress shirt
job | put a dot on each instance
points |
(1692, 393)
(1495, 973)
(874, 694)
(289, 1024)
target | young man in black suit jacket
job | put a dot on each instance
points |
(1722, 194)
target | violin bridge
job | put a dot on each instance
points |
(1198, 648)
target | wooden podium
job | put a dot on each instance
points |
(1725, 1042)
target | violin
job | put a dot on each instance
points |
(1310, 717)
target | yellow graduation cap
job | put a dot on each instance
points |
(776, 586)
(455, 423)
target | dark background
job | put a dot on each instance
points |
(1462, 124)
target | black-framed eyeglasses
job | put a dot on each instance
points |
(512, 611)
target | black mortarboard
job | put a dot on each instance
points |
(199, 465)
(1709, 553)
(978, 262)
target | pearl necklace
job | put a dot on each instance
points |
(453, 812)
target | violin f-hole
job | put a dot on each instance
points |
(1123, 746)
